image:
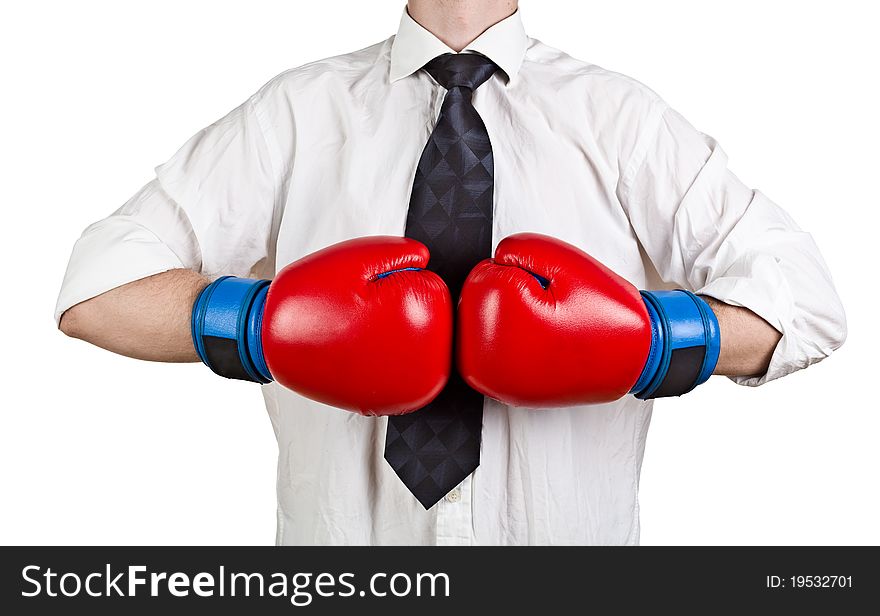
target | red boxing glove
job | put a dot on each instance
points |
(362, 326)
(543, 324)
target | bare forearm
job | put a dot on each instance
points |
(747, 340)
(145, 319)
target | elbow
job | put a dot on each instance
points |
(72, 322)
(829, 333)
(839, 336)
(837, 329)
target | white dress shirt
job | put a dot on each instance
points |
(327, 152)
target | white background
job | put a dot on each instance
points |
(96, 448)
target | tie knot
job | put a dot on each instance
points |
(461, 70)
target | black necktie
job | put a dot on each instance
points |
(435, 448)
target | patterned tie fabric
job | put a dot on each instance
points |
(450, 211)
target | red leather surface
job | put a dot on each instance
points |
(582, 340)
(335, 332)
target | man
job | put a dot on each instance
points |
(336, 150)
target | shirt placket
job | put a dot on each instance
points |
(455, 515)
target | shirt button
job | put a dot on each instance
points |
(454, 496)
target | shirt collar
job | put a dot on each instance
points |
(504, 43)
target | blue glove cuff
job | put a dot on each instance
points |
(226, 321)
(685, 343)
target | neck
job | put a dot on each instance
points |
(458, 22)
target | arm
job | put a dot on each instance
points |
(145, 319)
(133, 277)
(704, 230)
(747, 340)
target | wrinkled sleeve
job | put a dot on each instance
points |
(210, 208)
(704, 230)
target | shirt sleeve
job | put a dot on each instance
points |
(210, 208)
(705, 231)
